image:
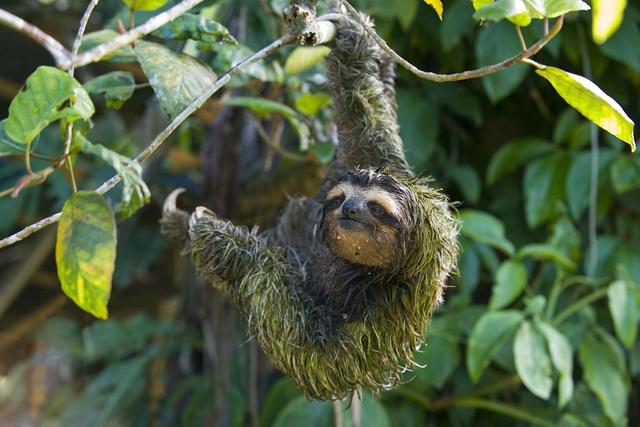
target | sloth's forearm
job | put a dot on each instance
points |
(361, 83)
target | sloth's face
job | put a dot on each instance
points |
(363, 217)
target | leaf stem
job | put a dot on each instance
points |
(523, 44)
(581, 303)
(505, 409)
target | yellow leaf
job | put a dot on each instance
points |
(303, 58)
(607, 17)
(436, 5)
(477, 4)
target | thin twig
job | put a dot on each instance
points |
(160, 138)
(523, 44)
(465, 75)
(55, 48)
(277, 148)
(149, 26)
(74, 52)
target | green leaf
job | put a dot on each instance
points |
(485, 228)
(86, 251)
(504, 9)
(457, 23)
(467, 179)
(513, 155)
(303, 58)
(311, 103)
(555, 8)
(418, 120)
(510, 281)
(546, 252)
(544, 184)
(145, 4)
(625, 174)
(489, 334)
(117, 86)
(436, 5)
(532, 360)
(583, 95)
(196, 27)
(562, 358)
(477, 4)
(280, 393)
(8, 146)
(135, 192)
(49, 94)
(625, 311)
(607, 16)
(91, 40)
(495, 43)
(264, 107)
(301, 411)
(604, 375)
(441, 353)
(176, 79)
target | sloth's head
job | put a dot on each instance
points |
(366, 219)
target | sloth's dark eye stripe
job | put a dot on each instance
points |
(334, 202)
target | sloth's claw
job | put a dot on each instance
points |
(170, 202)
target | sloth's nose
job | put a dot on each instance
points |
(352, 208)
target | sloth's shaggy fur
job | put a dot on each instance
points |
(331, 325)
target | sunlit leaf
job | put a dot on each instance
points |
(510, 281)
(562, 358)
(145, 4)
(263, 107)
(196, 27)
(311, 103)
(477, 4)
(607, 16)
(485, 228)
(532, 360)
(49, 94)
(625, 311)
(117, 86)
(436, 5)
(489, 334)
(554, 8)
(503, 9)
(583, 95)
(176, 78)
(86, 251)
(303, 58)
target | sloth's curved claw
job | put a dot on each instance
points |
(170, 202)
(201, 212)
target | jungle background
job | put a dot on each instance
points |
(539, 326)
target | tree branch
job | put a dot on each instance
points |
(55, 48)
(149, 26)
(162, 136)
(465, 75)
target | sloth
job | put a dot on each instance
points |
(338, 294)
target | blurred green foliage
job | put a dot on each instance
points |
(540, 325)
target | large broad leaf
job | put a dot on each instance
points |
(489, 334)
(303, 58)
(86, 251)
(145, 4)
(117, 86)
(436, 5)
(312, 103)
(544, 187)
(441, 353)
(554, 8)
(467, 179)
(49, 94)
(578, 180)
(458, 22)
(176, 78)
(583, 95)
(514, 10)
(135, 192)
(264, 107)
(510, 281)
(625, 311)
(514, 154)
(532, 360)
(196, 27)
(495, 43)
(562, 358)
(485, 228)
(604, 374)
(607, 16)
(280, 393)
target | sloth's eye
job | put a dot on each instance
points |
(376, 209)
(334, 203)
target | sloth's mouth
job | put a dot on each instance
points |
(351, 224)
